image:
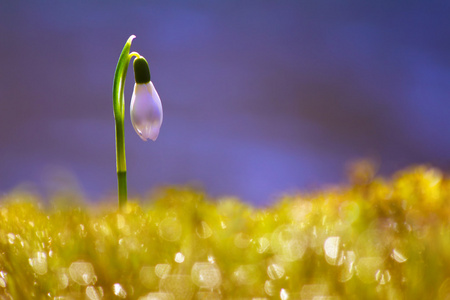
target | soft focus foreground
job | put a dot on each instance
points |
(374, 239)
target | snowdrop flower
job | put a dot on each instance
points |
(145, 109)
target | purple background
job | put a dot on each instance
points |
(259, 97)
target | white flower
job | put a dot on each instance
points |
(146, 111)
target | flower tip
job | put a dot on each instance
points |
(153, 134)
(130, 39)
(145, 136)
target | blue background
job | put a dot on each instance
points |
(259, 97)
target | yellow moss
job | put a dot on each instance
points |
(375, 239)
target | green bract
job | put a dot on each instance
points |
(119, 80)
(141, 70)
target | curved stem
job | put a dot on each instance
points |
(119, 116)
(135, 54)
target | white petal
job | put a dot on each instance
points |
(146, 111)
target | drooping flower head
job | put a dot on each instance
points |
(145, 108)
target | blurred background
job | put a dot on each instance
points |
(260, 97)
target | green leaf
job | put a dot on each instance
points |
(119, 80)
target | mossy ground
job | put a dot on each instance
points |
(373, 239)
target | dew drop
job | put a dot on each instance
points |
(275, 271)
(333, 253)
(82, 273)
(162, 270)
(206, 275)
(204, 231)
(398, 256)
(11, 238)
(2, 283)
(119, 291)
(262, 245)
(289, 243)
(347, 270)
(269, 287)
(331, 246)
(39, 263)
(94, 293)
(179, 257)
(383, 277)
(284, 295)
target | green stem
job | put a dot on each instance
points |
(119, 116)
(122, 188)
(121, 164)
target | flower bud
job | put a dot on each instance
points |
(146, 108)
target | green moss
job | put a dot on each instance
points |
(374, 239)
